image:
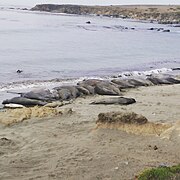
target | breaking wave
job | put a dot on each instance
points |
(32, 84)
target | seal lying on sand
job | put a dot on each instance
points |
(91, 87)
(115, 100)
(163, 80)
(101, 87)
(24, 101)
(67, 92)
(41, 94)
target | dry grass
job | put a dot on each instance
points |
(144, 129)
(12, 116)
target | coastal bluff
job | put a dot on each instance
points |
(164, 14)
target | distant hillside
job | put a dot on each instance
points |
(166, 14)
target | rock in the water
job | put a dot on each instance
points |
(115, 100)
(166, 30)
(24, 101)
(151, 29)
(88, 22)
(19, 71)
(121, 117)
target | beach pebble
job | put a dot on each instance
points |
(90, 159)
(126, 163)
(155, 148)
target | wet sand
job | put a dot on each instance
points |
(70, 146)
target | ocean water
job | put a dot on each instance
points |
(56, 48)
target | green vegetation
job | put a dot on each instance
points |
(161, 173)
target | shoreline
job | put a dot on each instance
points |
(91, 128)
(163, 14)
(23, 85)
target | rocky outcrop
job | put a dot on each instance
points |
(130, 122)
(121, 117)
(167, 14)
(13, 116)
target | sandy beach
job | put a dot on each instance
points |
(69, 145)
(89, 92)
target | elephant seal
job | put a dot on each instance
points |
(122, 83)
(115, 100)
(83, 90)
(107, 88)
(41, 94)
(24, 101)
(163, 80)
(69, 91)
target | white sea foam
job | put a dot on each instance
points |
(26, 86)
(29, 85)
(144, 73)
